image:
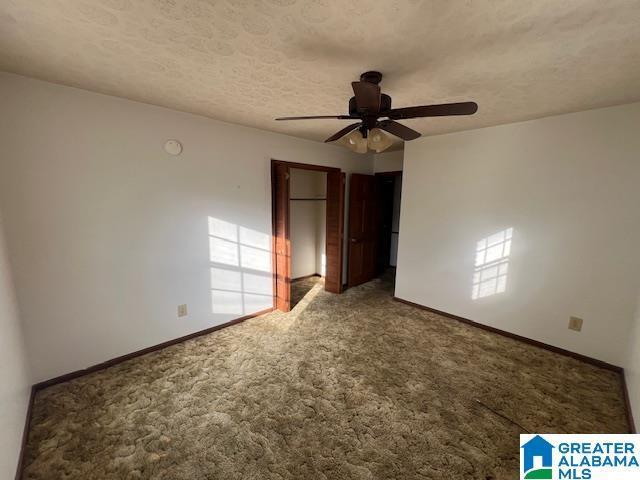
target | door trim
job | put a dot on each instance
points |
(280, 240)
(305, 166)
(340, 233)
(394, 173)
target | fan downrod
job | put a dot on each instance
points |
(371, 77)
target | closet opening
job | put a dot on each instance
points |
(308, 215)
(308, 223)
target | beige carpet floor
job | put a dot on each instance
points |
(299, 288)
(354, 386)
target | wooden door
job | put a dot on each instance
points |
(362, 229)
(281, 242)
(335, 227)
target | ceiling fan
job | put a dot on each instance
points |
(374, 115)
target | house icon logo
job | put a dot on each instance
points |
(536, 459)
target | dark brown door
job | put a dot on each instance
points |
(281, 242)
(335, 236)
(362, 229)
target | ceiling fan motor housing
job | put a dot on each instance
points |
(385, 104)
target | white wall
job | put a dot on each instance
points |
(302, 224)
(632, 366)
(108, 234)
(321, 238)
(307, 220)
(388, 161)
(395, 221)
(568, 187)
(15, 381)
(307, 183)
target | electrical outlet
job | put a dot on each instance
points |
(575, 323)
(182, 310)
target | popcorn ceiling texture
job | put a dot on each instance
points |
(247, 62)
(351, 386)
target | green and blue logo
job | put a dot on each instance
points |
(537, 459)
(580, 457)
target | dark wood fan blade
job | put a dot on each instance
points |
(339, 117)
(398, 130)
(343, 132)
(443, 110)
(367, 96)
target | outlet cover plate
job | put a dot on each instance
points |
(575, 324)
(182, 310)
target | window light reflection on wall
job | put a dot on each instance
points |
(240, 268)
(492, 264)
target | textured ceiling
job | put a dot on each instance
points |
(247, 62)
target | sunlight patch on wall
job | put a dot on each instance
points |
(240, 272)
(221, 229)
(223, 251)
(254, 258)
(492, 264)
(255, 239)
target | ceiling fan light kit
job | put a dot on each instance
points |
(378, 141)
(356, 142)
(372, 110)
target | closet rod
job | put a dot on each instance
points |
(307, 199)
